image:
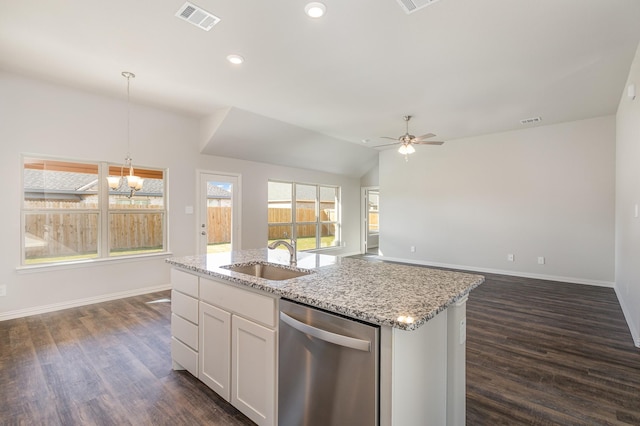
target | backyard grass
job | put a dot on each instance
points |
(54, 259)
(303, 245)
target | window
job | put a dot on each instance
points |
(374, 204)
(315, 220)
(65, 218)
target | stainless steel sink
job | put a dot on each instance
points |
(268, 271)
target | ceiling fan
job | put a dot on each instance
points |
(407, 141)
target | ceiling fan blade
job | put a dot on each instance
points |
(389, 137)
(427, 142)
(427, 136)
(387, 144)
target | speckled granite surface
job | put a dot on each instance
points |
(389, 294)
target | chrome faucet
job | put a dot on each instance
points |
(291, 246)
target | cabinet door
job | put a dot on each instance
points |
(215, 349)
(253, 369)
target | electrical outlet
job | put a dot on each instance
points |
(413, 249)
(3, 290)
(541, 260)
(510, 257)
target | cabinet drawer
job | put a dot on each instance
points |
(184, 331)
(185, 356)
(246, 303)
(184, 282)
(185, 306)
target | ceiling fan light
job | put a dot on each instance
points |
(406, 149)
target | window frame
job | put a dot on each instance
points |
(318, 223)
(103, 210)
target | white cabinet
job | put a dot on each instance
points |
(215, 349)
(184, 321)
(238, 347)
(226, 336)
(253, 368)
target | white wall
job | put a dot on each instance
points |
(47, 119)
(627, 201)
(543, 191)
(371, 178)
(255, 177)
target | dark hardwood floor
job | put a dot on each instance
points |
(103, 364)
(549, 353)
(538, 353)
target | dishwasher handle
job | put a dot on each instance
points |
(327, 336)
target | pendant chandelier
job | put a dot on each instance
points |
(134, 183)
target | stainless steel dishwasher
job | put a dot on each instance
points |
(328, 369)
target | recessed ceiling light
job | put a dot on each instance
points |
(315, 9)
(235, 59)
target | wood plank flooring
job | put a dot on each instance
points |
(548, 353)
(103, 364)
(538, 353)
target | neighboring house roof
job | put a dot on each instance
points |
(281, 192)
(72, 183)
(214, 191)
(78, 184)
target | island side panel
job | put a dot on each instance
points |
(413, 376)
(456, 367)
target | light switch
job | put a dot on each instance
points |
(188, 210)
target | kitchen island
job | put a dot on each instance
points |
(420, 311)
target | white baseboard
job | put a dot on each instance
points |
(80, 302)
(572, 280)
(635, 333)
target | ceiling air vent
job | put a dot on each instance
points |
(411, 6)
(197, 16)
(530, 120)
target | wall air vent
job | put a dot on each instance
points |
(197, 16)
(530, 120)
(411, 6)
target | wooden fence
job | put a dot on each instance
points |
(373, 222)
(219, 221)
(277, 215)
(219, 229)
(67, 234)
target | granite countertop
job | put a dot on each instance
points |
(399, 296)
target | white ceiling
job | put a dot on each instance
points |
(460, 67)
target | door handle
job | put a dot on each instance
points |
(203, 233)
(327, 336)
